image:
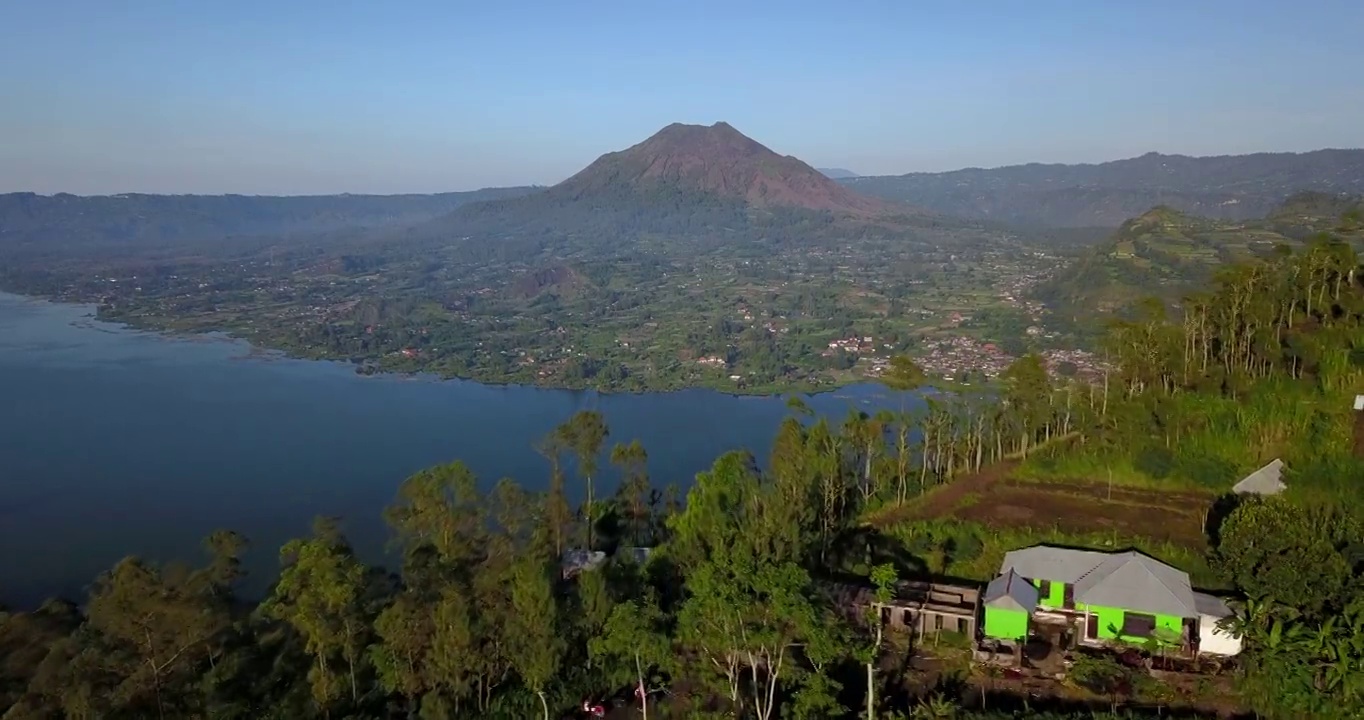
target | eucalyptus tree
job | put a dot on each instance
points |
(583, 435)
(319, 594)
(903, 376)
(633, 461)
(534, 643)
(635, 645)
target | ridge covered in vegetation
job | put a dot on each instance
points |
(1228, 187)
(1167, 254)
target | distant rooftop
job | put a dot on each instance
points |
(1265, 481)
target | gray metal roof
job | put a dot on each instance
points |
(1265, 481)
(1129, 580)
(1011, 592)
(1211, 605)
(1133, 581)
(1056, 564)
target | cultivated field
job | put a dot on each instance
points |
(1174, 517)
(994, 499)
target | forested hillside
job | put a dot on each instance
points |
(1229, 187)
(1167, 254)
(730, 615)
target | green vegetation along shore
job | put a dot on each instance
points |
(720, 606)
(720, 320)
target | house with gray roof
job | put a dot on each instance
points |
(1098, 598)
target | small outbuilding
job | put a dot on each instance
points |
(1268, 480)
(1009, 601)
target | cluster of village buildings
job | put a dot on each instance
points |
(961, 357)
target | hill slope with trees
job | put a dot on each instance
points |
(1167, 254)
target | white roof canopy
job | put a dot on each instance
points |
(1265, 481)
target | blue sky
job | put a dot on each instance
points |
(313, 96)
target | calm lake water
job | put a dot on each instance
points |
(117, 442)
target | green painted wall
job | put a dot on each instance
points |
(1005, 624)
(1057, 598)
(1110, 621)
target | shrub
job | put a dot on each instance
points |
(1155, 461)
(1208, 471)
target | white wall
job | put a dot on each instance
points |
(1212, 641)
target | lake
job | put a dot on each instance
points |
(117, 442)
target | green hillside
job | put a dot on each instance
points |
(1167, 254)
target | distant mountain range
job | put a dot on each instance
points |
(686, 180)
(1231, 187)
(838, 173)
(701, 184)
(1167, 254)
(37, 224)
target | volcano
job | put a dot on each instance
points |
(717, 160)
(698, 185)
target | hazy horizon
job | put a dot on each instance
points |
(546, 185)
(311, 98)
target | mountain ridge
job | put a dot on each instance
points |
(32, 223)
(1232, 187)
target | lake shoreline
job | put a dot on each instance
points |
(266, 352)
(119, 441)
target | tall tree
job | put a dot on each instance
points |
(583, 435)
(534, 644)
(319, 594)
(883, 579)
(154, 626)
(633, 462)
(439, 510)
(636, 635)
